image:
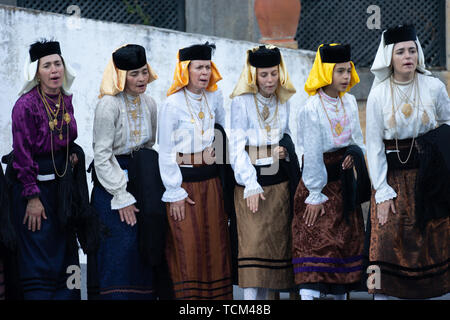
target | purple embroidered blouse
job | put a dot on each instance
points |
(32, 134)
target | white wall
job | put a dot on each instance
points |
(87, 45)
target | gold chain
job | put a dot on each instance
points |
(335, 105)
(335, 133)
(395, 121)
(189, 106)
(52, 126)
(264, 123)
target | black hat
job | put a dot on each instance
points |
(130, 57)
(44, 48)
(335, 54)
(264, 57)
(399, 34)
(197, 52)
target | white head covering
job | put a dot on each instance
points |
(30, 71)
(381, 66)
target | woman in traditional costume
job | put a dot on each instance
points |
(198, 248)
(266, 169)
(407, 134)
(43, 163)
(127, 186)
(328, 225)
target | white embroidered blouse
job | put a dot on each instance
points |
(114, 135)
(180, 131)
(325, 127)
(248, 129)
(433, 110)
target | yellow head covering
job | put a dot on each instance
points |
(321, 75)
(114, 79)
(247, 80)
(181, 76)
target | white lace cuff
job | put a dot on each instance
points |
(384, 194)
(174, 195)
(122, 200)
(316, 198)
(252, 190)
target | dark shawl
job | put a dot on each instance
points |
(7, 232)
(75, 214)
(291, 168)
(432, 188)
(226, 175)
(146, 186)
(356, 190)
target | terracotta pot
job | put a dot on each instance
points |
(278, 21)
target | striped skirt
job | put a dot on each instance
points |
(328, 255)
(264, 259)
(198, 248)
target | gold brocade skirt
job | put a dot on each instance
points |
(413, 264)
(330, 251)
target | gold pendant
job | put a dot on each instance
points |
(407, 110)
(425, 118)
(268, 128)
(136, 132)
(60, 136)
(338, 129)
(51, 125)
(265, 113)
(55, 122)
(67, 118)
(201, 115)
(192, 120)
(203, 132)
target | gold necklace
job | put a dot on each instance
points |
(201, 115)
(263, 122)
(53, 116)
(266, 111)
(135, 115)
(335, 105)
(52, 125)
(407, 107)
(338, 128)
(395, 125)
